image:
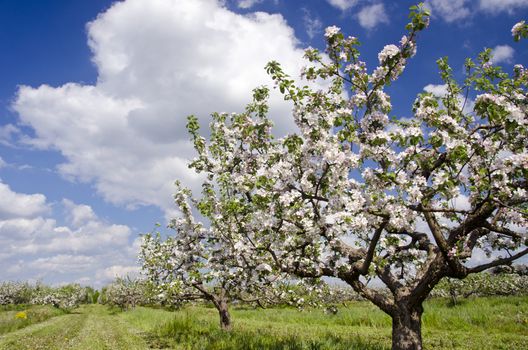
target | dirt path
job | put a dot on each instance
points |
(91, 327)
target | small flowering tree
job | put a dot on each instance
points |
(217, 262)
(12, 293)
(68, 296)
(127, 293)
(360, 196)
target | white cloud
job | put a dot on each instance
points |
(343, 5)
(13, 204)
(246, 4)
(457, 10)
(437, 90)
(114, 271)
(20, 229)
(449, 10)
(502, 53)
(34, 246)
(157, 62)
(441, 91)
(62, 263)
(494, 6)
(312, 24)
(370, 16)
(78, 214)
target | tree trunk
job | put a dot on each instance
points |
(407, 329)
(223, 311)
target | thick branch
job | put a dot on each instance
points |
(472, 222)
(363, 269)
(436, 230)
(208, 295)
(385, 303)
(388, 278)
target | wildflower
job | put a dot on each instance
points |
(22, 315)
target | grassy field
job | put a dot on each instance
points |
(483, 323)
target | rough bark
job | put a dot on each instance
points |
(407, 328)
(223, 312)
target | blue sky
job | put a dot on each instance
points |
(94, 94)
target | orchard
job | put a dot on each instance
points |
(355, 194)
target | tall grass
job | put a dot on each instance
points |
(187, 332)
(476, 323)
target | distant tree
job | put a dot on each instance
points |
(68, 296)
(217, 261)
(127, 293)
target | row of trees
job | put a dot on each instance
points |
(354, 194)
(127, 293)
(64, 297)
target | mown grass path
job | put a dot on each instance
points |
(89, 327)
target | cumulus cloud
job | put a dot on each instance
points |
(494, 6)
(35, 246)
(371, 16)
(16, 205)
(449, 10)
(157, 62)
(78, 214)
(343, 5)
(502, 54)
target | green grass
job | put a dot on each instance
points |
(93, 327)
(34, 314)
(481, 323)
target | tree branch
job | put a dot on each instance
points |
(363, 269)
(502, 230)
(497, 262)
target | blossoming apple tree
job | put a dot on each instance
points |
(360, 196)
(217, 261)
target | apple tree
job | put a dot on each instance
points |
(360, 196)
(211, 255)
